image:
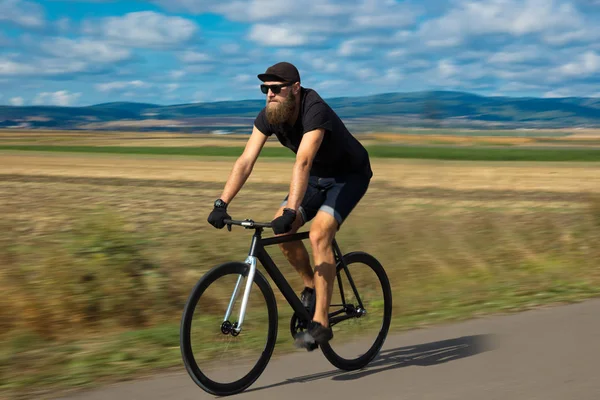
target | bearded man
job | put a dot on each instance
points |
(331, 174)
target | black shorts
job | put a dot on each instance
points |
(336, 196)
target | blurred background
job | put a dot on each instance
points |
(120, 122)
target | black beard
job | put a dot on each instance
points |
(282, 112)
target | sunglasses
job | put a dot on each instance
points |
(274, 88)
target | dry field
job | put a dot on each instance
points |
(167, 198)
(556, 137)
(94, 246)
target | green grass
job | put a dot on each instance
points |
(376, 151)
(449, 269)
(478, 132)
(95, 295)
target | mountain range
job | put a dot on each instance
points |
(376, 112)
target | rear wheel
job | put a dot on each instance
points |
(220, 360)
(360, 312)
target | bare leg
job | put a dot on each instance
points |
(322, 232)
(296, 253)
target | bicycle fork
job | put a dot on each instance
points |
(252, 262)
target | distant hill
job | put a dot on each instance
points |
(437, 108)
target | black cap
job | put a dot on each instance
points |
(283, 71)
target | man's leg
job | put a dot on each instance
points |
(322, 232)
(296, 253)
(340, 200)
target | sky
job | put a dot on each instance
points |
(84, 52)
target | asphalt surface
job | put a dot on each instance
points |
(547, 354)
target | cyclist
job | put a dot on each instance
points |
(330, 175)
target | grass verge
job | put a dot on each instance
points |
(98, 299)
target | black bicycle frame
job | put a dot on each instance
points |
(257, 249)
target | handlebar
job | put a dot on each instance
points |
(247, 223)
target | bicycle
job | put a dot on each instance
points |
(354, 308)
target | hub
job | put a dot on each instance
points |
(226, 327)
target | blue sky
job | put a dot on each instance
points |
(179, 51)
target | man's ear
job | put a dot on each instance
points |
(296, 88)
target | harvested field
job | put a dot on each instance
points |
(100, 251)
(455, 175)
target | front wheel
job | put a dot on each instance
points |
(221, 360)
(360, 312)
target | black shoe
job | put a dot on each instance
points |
(315, 335)
(308, 299)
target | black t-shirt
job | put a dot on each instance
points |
(340, 153)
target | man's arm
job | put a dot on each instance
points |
(244, 164)
(311, 141)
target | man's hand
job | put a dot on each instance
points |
(217, 217)
(283, 223)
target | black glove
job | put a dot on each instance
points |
(283, 223)
(217, 217)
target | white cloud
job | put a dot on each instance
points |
(60, 98)
(444, 42)
(171, 87)
(587, 64)
(381, 13)
(571, 90)
(23, 13)
(517, 55)
(192, 6)
(362, 45)
(86, 49)
(516, 46)
(231, 48)
(312, 20)
(353, 47)
(17, 101)
(242, 78)
(562, 38)
(9, 67)
(199, 97)
(332, 84)
(339, 15)
(365, 73)
(120, 85)
(261, 10)
(199, 69)
(393, 75)
(512, 17)
(277, 35)
(519, 87)
(396, 53)
(321, 64)
(193, 57)
(144, 29)
(557, 94)
(41, 67)
(446, 68)
(177, 74)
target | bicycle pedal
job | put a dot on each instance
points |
(305, 341)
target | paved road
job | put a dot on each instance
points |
(547, 354)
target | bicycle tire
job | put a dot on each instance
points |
(369, 355)
(200, 378)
